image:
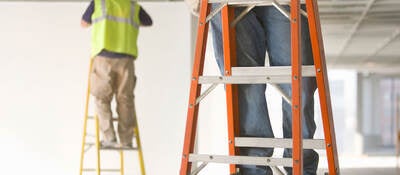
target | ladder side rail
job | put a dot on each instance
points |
(295, 23)
(140, 150)
(247, 2)
(83, 150)
(98, 167)
(323, 86)
(229, 48)
(121, 160)
(195, 89)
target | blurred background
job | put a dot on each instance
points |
(44, 57)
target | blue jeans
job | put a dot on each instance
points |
(265, 29)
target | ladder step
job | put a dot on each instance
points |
(119, 149)
(242, 160)
(277, 143)
(243, 79)
(105, 170)
(307, 71)
(257, 75)
(112, 148)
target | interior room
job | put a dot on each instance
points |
(45, 69)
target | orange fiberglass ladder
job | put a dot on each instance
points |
(240, 75)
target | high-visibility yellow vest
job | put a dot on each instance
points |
(115, 26)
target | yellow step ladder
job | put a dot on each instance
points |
(86, 145)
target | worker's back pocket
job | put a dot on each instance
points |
(101, 80)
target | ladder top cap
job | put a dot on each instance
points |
(246, 2)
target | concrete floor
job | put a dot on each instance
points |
(365, 165)
(366, 171)
(371, 171)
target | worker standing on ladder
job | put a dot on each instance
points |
(114, 49)
(265, 29)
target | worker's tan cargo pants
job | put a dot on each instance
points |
(111, 76)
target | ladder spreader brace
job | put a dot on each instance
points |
(260, 75)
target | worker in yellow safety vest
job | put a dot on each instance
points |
(115, 29)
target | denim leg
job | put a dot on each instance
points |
(310, 157)
(278, 41)
(253, 112)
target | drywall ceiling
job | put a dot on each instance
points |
(362, 34)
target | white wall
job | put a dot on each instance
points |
(44, 66)
(343, 89)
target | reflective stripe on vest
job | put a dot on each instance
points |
(105, 16)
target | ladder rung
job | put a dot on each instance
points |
(242, 160)
(307, 71)
(277, 143)
(106, 170)
(243, 79)
(112, 148)
(119, 149)
(257, 75)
